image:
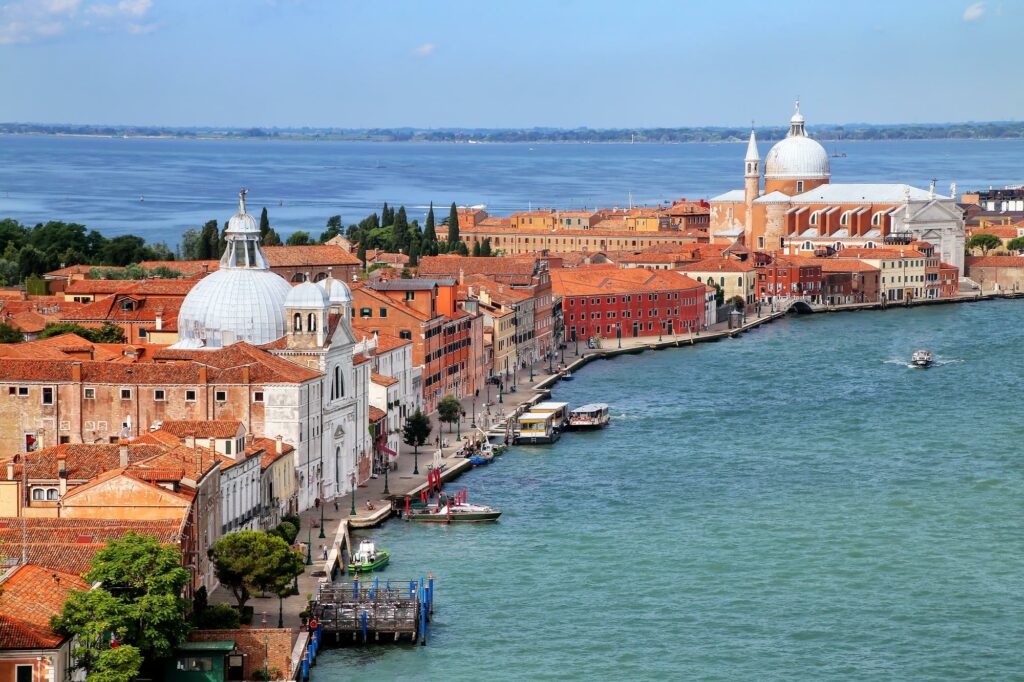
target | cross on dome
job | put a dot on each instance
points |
(241, 200)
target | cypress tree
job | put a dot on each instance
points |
(264, 224)
(207, 247)
(429, 233)
(362, 255)
(453, 225)
(476, 249)
(414, 253)
(485, 250)
(385, 216)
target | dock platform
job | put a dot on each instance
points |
(374, 610)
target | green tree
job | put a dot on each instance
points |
(208, 248)
(31, 261)
(9, 334)
(125, 249)
(299, 238)
(361, 254)
(448, 410)
(414, 253)
(429, 231)
(386, 216)
(453, 225)
(984, 241)
(738, 302)
(108, 333)
(251, 560)
(264, 224)
(138, 600)
(485, 249)
(1015, 244)
(122, 664)
(191, 247)
(416, 429)
(476, 249)
(719, 293)
(334, 228)
(460, 248)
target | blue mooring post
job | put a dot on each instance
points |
(412, 589)
(355, 587)
(364, 627)
(423, 615)
(430, 594)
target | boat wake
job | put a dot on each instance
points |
(937, 362)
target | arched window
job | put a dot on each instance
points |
(311, 325)
(38, 494)
(297, 322)
(814, 217)
(51, 494)
(298, 277)
(739, 281)
(838, 246)
(807, 246)
(844, 219)
(869, 245)
(876, 219)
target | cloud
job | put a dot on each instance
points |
(25, 21)
(974, 12)
(425, 50)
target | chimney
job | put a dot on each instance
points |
(249, 439)
(62, 475)
(10, 470)
(211, 443)
(462, 276)
(76, 371)
(952, 191)
(931, 189)
(279, 444)
(122, 452)
(159, 325)
(202, 374)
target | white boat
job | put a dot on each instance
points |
(560, 411)
(592, 416)
(537, 427)
(922, 358)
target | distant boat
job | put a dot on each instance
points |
(922, 359)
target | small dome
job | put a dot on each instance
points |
(339, 292)
(243, 223)
(797, 157)
(306, 295)
(234, 304)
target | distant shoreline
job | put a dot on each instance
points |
(833, 135)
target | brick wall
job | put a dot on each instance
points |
(253, 642)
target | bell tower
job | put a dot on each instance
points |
(751, 185)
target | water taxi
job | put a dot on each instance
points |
(454, 513)
(922, 359)
(368, 558)
(560, 411)
(537, 427)
(592, 416)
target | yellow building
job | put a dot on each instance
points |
(903, 271)
(734, 277)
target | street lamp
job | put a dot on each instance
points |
(309, 545)
(352, 511)
(501, 385)
(280, 611)
(323, 503)
(458, 424)
(416, 461)
(387, 466)
(618, 333)
(576, 340)
(472, 416)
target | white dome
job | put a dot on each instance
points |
(339, 292)
(797, 157)
(230, 305)
(306, 295)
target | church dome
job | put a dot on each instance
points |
(338, 293)
(306, 295)
(241, 301)
(797, 156)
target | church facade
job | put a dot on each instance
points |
(799, 211)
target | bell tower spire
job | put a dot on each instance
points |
(751, 179)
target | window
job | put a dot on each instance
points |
(38, 494)
(89, 394)
(195, 664)
(190, 396)
(814, 218)
(159, 395)
(405, 334)
(311, 322)
(410, 295)
(22, 391)
(257, 397)
(383, 312)
(47, 395)
(126, 394)
(220, 396)
(799, 185)
(23, 673)
(142, 333)
(365, 312)
(297, 322)
(227, 447)
(876, 219)
(844, 219)
(51, 494)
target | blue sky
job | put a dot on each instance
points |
(521, 63)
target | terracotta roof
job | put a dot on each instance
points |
(209, 428)
(315, 255)
(359, 359)
(584, 281)
(521, 268)
(30, 597)
(878, 253)
(82, 461)
(267, 447)
(185, 267)
(1001, 231)
(382, 380)
(70, 270)
(717, 264)
(67, 544)
(994, 261)
(145, 287)
(845, 265)
(387, 342)
(376, 414)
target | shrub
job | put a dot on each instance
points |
(219, 617)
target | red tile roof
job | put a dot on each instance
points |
(382, 380)
(994, 261)
(585, 281)
(315, 255)
(376, 414)
(520, 268)
(718, 264)
(31, 596)
(845, 265)
(208, 428)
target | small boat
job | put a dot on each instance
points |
(922, 359)
(566, 375)
(454, 513)
(537, 427)
(592, 416)
(368, 558)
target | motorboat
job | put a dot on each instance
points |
(452, 512)
(368, 558)
(537, 427)
(922, 358)
(591, 416)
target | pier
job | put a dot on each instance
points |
(366, 611)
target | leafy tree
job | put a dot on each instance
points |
(9, 334)
(268, 235)
(361, 254)
(31, 261)
(429, 231)
(416, 429)
(1015, 244)
(719, 294)
(453, 225)
(125, 249)
(334, 228)
(738, 302)
(448, 410)
(191, 247)
(984, 241)
(251, 560)
(138, 600)
(9, 272)
(108, 333)
(217, 617)
(264, 223)
(122, 664)
(299, 238)
(460, 248)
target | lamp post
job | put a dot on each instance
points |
(323, 503)
(618, 333)
(661, 328)
(472, 415)
(501, 385)
(458, 424)
(280, 611)
(576, 340)
(309, 545)
(352, 511)
(416, 461)
(531, 372)
(387, 465)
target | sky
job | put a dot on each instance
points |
(507, 63)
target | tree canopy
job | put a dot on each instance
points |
(984, 241)
(250, 561)
(9, 334)
(449, 409)
(108, 333)
(416, 429)
(1015, 244)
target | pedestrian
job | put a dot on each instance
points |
(323, 551)
(316, 502)
(335, 504)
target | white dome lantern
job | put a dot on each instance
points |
(241, 301)
(797, 156)
(337, 291)
(306, 295)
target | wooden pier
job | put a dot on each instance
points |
(374, 610)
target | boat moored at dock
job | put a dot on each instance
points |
(368, 558)
(537, 427)
(453, 512)
(560, 412)
(590, 416)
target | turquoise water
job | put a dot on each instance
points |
(796, 504)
